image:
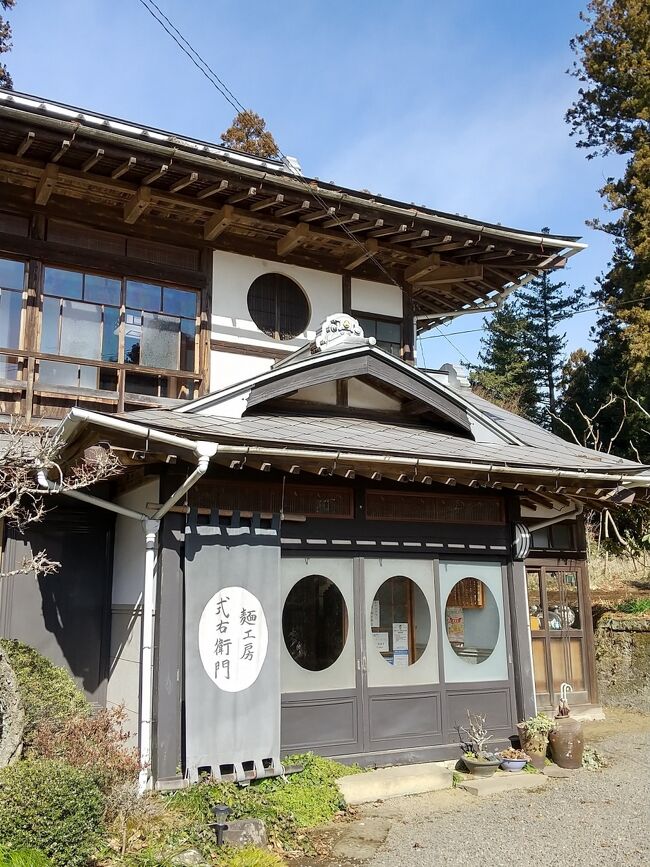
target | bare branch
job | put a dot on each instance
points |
(566, 425)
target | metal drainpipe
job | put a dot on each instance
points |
(151, 525)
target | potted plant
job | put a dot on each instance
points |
(513, 760)
(477, 759)
(533, 738)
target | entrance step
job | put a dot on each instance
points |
(393, 782)
(502, 782)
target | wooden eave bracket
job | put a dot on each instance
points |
(451, 274)
(46, 185)
(415, 272)
(137, 205)
(218, 223)
(370, 248)
(293, 239)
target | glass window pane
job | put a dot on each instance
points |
(369, 326)
(540, 538)
(533, 580)
(315, 623)
(50, 326)
(144, 383)
(58, 373)
(102, 290)
(10, 367)
(160, 341)
(400, 621)
(472, 618)
(179, 301)
(391, 348)
(561, 535)
(11, 274)
(143, 296)
(110, 334)
(10, 308)
(391, 332)
(562, 598)
(81, 329)
(132, 336)
(65, 284)
(188, 332)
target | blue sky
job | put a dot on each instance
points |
(459, 106)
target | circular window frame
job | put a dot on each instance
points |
(273, 326)
(486, 591)
(345, 636)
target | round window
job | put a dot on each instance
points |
(315, 622)
(278, 306)
(400, 621)
(472, 620)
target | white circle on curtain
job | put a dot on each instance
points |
(472, 620)
(233, 638)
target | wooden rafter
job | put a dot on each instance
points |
(293, 239)
(318, 215)
(213, 190)
(123, 168)
(268, 202)
(64, 147)
(448, 274)
(92, 160)
(249, 193)
(25, 144)
(294, 208)
(422, 268)
(155, 175)
(370, 248)
(341, 220)
(186, 181)
(389, 230)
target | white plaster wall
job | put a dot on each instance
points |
(231, 280)
(128, 556)
(363, 396)
(380, 299)
(228, 368)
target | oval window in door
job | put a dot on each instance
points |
(315, 622)
(472, 620)
(400, 621)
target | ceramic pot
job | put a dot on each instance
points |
(535, 745)
(513, 765)
(567, 742)
(479, 768)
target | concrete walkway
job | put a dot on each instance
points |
(588, 818)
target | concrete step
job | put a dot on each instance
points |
(502, 782)
(393, 782)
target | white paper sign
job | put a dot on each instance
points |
(400, 636)
(401, 658)
(233, 638)
(381, 640)
(374, 614)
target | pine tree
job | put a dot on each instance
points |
(544, 305)
(611, 116)
(505, 375)
(5, 45)
(248, 133)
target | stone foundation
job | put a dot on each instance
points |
(622, 643)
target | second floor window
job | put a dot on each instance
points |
(387, 333)
(278, 306)
(12, 277)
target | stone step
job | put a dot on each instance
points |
(393, 782)
(502, 782)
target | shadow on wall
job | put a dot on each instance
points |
(66, 615)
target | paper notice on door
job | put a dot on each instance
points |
(455, 625)
(381, 640)
(400, 636)
(401, 658)
(374, 614)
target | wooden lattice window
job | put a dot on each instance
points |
(278, 306)
(436, 508)
(310, 501)
(467, 593)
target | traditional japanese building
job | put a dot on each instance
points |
(315, 544)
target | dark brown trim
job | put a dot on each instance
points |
(346, 293)
(246, 349)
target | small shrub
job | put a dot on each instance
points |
(593, 760)
(47, 692)
(249, 856)
(95, 744)
(635, 606)
(52, 806)
(23, 858)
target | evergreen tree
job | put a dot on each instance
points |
(545, 304)
(248, 133)
(612, 116)
(5, 44)
(505, 374)
(575, 389)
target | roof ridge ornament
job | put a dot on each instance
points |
(341, 329)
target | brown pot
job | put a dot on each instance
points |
(535, 745)
(567, 742)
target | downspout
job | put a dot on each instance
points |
(151, 525)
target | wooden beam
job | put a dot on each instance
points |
(340, 221)
(451, 274)
(421, 268)
(25, 144)
(123, 168)
(46, 185)
(293, 239)
(292, 209)
(267, 203)
(364, 226)
(137, 205)
(389, 230)
(370, 249)
(56, 156)
(250, 193)
(218, 223)
(93, 160)
(318, 215)
(432, 242)
(155, 175)
(221, 187)
(410, 236)
(184, 182)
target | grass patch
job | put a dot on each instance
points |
(456, 779)
(529, 769)
(635, 606)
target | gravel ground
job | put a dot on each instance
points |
(596, 817)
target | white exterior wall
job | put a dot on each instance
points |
(126, 618)
(378, 299)
(228, 368)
